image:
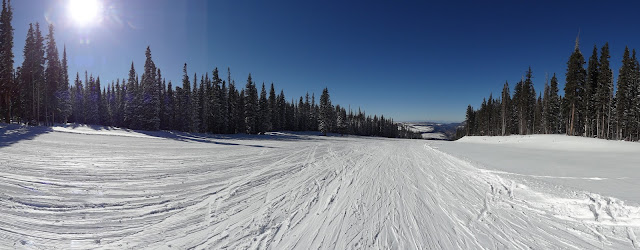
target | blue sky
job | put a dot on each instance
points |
(410, 60)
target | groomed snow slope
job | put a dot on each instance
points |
(610, 168)
(68, 190)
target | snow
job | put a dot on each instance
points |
(87, 187)
(607, 167)
(439, 136)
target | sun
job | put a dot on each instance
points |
(85, 12)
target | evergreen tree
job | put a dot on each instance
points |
(78, 101)
(634, 112)
(623, 96)
(27, 80)
(574, 90)
(264, 112)
(149, 109)
(251, 107)
(554, 115)
(273, 111)
(170, 104)
(131, 105)
(185, 102)
(589, 108)
(194, 126)
(7, 85)
(324, 121)
(604, 93)
(52, 77)
(234, 112)
(505, 108)
(63, 96)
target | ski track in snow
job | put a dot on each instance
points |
(64, 190)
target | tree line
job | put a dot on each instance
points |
(38, 93)
(589, 108)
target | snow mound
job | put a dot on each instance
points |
(100, 130)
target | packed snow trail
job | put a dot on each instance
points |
(69, 190)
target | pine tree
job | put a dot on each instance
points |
(52, 77)
(78, 101)
(195, 106)
(634, 117)
(264, 112)
(37, 71)
(604, 93)
(324, 119)
(623, 95)
(131, 101)
(224, 108)
(149, 109)
(28, 87)
(273, 111)
(7, 85)
(170, 104)
(505, 108)
(591, 86)
(251, 107)
(186, 109)
(574, 90)
(233, 109)
(554, 115)
(63, 96)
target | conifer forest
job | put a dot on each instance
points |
(41, 92)
(590, 107)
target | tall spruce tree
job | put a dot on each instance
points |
(251, 107)
(324, 119)
(554, 115)
(589, 109)
(63, 95)
(505, 108)
(52, 77)
(623, 96)
(574, 89)
(264, 112)
(604, 92)
(149, 109)
(7, 84)
(131, 105)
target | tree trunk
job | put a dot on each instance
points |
(573, 111)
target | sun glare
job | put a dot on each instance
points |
(85, 12)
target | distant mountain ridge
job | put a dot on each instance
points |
(434, 130)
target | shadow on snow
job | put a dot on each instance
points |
(14, 133)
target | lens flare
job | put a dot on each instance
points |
(85, 12)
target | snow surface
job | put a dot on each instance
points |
(68, 189)
(610, 168)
